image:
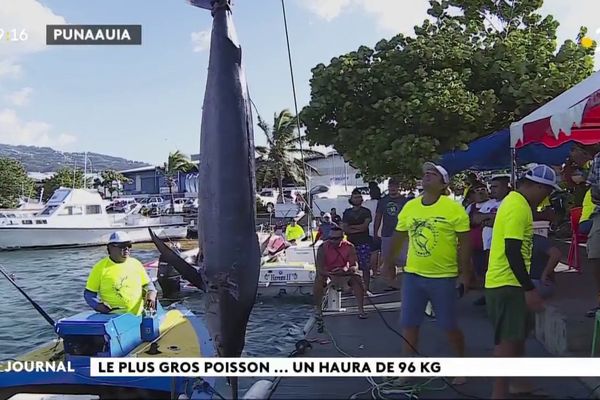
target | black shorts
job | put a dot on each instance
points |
(375, 245)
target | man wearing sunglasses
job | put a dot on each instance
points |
(337, 261)
(119, 283)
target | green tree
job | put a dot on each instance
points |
(176, 163)
(279, 159)
(64, 177)
(14, 182)
(111, 181)
(474, 68)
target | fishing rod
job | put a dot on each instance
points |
(33, 302)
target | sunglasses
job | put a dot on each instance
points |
(122, 246)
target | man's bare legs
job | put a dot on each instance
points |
(505, 349)
(318, 292)
(359, 291)
(457, 342)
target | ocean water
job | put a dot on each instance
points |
(56, 279)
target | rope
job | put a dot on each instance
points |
(415, 350)
(289, 52)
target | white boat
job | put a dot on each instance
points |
(77, 217)
(291, 274)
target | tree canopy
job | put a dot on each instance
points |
(107, 181)
(473, 68)
(14, 182)
(64, 177)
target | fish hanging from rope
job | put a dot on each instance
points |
(227, 203)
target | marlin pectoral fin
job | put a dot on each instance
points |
(187, 271)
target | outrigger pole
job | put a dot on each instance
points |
(33, 302)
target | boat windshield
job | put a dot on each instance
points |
(49, 210)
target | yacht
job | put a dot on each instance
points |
(78, 217)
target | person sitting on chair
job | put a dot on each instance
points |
(337, 262)
(276, 242)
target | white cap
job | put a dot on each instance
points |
(428, 166)
(327, 215)
(544, 175)
(119, 237)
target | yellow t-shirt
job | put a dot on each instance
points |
(545, 203)
(514, 220)
(119, 285)
(432, 250)
(588, 207)
(293, 233)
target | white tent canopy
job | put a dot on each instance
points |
(564, 110)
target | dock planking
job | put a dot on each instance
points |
(371, 338)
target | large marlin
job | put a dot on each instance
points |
(227, 189)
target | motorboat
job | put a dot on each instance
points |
(171, 332)
(77, 217)
(290, 273)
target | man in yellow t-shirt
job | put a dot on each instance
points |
(509, 291)
(117, 283)
(585, 222)
(437, 231)
(294, 232)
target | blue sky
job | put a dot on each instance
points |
(141, 102)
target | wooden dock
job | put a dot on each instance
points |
(347, 335)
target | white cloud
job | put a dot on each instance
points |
(326, 9)
(400, 16)
(28, 18)
(572, 17)
(10, 69)
(31, 17)
(20, 97)
(391, 16)
(201, 40)
(15, 131)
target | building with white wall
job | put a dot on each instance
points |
(333, 170)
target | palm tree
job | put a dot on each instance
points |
(176, 163)
(279, 159)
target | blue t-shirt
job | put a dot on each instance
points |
(390, 207)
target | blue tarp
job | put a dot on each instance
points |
(492, 152)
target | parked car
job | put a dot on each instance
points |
(178, 204)
(191, 206)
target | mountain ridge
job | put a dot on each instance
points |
(46, 159)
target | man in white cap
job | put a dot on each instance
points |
(510, 294)
(324, 228)
(117, 283)
(437, 229)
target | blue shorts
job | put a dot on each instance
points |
(418, 290)
(363, 252)
(585, 227)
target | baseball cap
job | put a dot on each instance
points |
(327, 215)
(542, 174)
(428, 166)
(394, 181)
(119, 237)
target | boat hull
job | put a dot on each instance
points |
(22, 237)
(275, 280)
(182, 334)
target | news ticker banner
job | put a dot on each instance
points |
(346, 367)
